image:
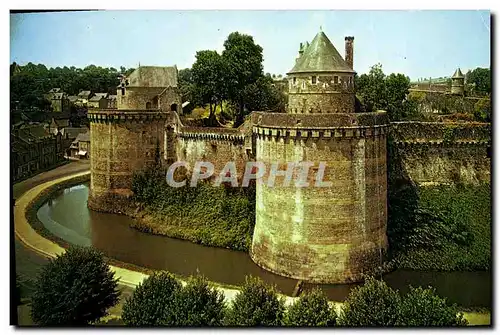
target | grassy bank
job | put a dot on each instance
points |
(214, 216)
(453, 225)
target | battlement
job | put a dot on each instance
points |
(117, 115)
(205, 133)
(317, 133)
(439, 133)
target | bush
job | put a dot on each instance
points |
(311, 309)
(152, 302)
(256, 305)
(198, 304)
(422, 307)
(74, 289)
(373, 304)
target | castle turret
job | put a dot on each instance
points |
(321, 81)
(457, 83)
(335, 232)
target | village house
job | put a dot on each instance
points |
(83, 98)
(34, 149)
(80, 148)
(99, 100)
(112, 101)
(58, 125)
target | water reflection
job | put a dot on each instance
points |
(68, 217)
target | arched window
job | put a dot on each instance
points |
(173, 107)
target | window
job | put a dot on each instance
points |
(294, 80)
(313, 80)
(336, 80)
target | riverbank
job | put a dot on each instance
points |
(127, 276)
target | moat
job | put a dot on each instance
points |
(68, 217)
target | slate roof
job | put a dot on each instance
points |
(99, 96)
(84, 94)
(320, 56)
(458, 74)
(73, 132)
(83, 137)
(32, 133)
(153, 76)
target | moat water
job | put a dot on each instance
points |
(67, 216)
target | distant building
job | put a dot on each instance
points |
(112, 101)
(59, 102)
(457, 83)
(99, 100)
(58, 125)
(34, 149)
(80, 147)
(83, 98)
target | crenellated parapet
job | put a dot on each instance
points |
(212, 134)
(116, 115)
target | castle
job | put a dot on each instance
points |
(325, 235)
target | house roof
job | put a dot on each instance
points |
(73, 132)
(153, 76)
(55, 90)
(33, 132)
(84, 94)
(72, 98)
(458, 74)
(83, 137)
(98, 96)
(321, 56)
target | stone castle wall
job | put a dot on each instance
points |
(330, 234)
(331, 93)
(444, 153)
(215, 145)
(122, 143)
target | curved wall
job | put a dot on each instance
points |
(331, 234)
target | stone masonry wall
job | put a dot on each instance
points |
(121, 144)
(332, 234)
(444, 153)
(331, 93)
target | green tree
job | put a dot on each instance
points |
(256, 305)
(480, 78)
(482, 110)
(311, 310)
(372, 304)
(198, 304)
(371, 88)
(208, 78)
(152, 303)
(74, 289)
(423, 308)
(243, 58)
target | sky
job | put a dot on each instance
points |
(420, 44)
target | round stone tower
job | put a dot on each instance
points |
(337, 232)
(457, 83)
(131, 137)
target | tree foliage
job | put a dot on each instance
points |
(310, 310)
(74, 289)
(373, 304)
(482, 110)
(423, 308)
(480, 78)
(380, 92)
(376, 304)
(152, 303)
(256, 305)
(29, 83)
(198, 304)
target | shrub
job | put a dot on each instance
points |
(74, 289)
(373, 304)
(256, 305)
(198, 304)
(422, 307)
(152, 303)
(311, 309)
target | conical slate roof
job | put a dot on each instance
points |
(458, 74)
(321, 56)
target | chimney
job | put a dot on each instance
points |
(349, 52)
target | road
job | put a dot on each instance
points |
(27, 262)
